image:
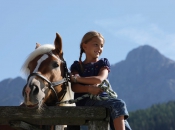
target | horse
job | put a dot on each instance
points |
(48, 77)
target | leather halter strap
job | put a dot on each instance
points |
(64, 81)
(51, 84)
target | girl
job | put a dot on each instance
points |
(87, 74)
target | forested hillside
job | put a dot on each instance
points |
(157, 117)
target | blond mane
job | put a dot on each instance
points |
(39, 51)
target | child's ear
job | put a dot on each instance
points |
(84, 46)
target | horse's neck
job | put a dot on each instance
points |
(69, 95)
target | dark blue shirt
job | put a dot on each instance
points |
(90, 69)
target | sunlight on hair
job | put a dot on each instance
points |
(41, 50)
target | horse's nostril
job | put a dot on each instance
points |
(23, 91)
(35, 90)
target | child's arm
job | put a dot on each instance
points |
(92, 81)
(92, 89)
(103, 74)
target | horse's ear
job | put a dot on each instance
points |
(58, 44)
(37, 45)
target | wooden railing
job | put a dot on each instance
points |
(96, 118)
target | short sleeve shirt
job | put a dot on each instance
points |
(90, 69)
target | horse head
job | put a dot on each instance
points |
(47, 75)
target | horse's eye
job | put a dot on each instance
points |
(55, 65)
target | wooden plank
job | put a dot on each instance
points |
(52, 115)
(22, 125)
(98, 125)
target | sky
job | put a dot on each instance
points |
(125, 25)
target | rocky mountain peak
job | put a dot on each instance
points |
(145, 53)
(145, 76)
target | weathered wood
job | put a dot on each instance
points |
(23, 125)
(95, 117)
(98, 125)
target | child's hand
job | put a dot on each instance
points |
(74, 77)
(94, 90)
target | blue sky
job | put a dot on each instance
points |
(125, 25)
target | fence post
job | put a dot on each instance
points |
(98, 125)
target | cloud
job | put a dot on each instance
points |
(137, 29)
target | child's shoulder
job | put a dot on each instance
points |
(103, 61)
(75, 63)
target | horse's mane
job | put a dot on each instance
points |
(39, 51)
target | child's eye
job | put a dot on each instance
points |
(96, 44)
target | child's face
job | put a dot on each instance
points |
(94, 47)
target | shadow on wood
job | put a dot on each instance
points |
(96, 118)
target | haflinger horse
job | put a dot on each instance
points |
(48, 77)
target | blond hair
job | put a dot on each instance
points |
(86, 38)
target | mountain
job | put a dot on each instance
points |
(11, 91)
(144, 78)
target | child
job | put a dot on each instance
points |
(88, 74)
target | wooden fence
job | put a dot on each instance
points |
(96, 118)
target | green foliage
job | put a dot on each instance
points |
(157, 117)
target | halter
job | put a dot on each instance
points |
(64, 81)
